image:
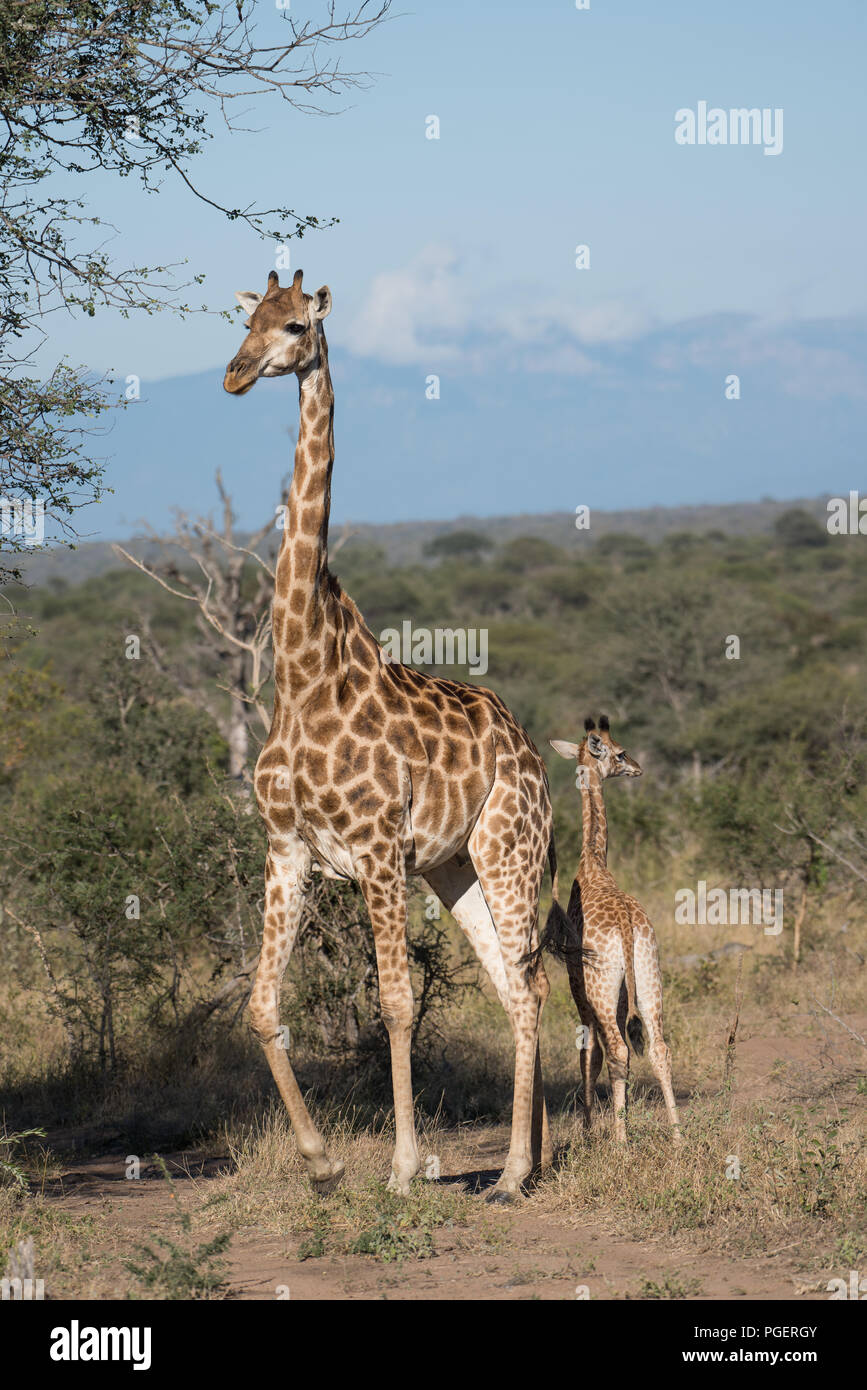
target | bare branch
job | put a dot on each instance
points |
(837, 1019)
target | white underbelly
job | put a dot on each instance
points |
(331, 854)
(422, 853)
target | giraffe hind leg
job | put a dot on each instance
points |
(648, 988)
(509, 856)
(591, 1065)
(606, 1001)
(456, 885)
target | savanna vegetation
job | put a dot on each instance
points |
(732, 668)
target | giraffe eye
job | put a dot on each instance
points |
(295, 328)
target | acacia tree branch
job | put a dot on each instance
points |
(89, 86)
(837, 1019)
(853, 868)
(244, 623)
(52, 980)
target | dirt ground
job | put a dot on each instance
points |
(504, 1253)
(538, 1258)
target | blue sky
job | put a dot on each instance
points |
(456, 257)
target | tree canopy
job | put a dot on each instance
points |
(133, 90)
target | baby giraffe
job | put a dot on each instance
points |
(608, 943)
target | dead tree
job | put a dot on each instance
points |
(233, 618)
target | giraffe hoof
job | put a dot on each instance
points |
(325, 1182)
(500, 1197)
(399, 1185)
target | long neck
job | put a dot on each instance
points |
(595, 823)
(301, 590)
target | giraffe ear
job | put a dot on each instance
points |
(566, 750)
(249, 300)
(321, 306)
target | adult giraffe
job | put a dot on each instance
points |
(374, 771)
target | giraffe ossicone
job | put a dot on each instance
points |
(374, 771)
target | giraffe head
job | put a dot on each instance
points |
(598, 750)
(283, 333)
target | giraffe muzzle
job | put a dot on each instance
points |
(240, 377)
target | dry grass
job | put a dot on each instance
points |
(790, 1125)
(745, 1180)
(64, 1246)
(269, 1188)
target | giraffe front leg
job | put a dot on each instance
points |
(286, 877)
(384, 889)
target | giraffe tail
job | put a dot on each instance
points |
(634, 1027)
(560, 937)
(552, 864)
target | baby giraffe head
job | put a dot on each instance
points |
(283, 333)
(599, 751)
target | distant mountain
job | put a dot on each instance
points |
(640, 429)
(404, 542)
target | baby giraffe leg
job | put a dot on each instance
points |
(607, 1002)
(588, 1041)
(648, 984)
(591, 1063)
(660, 1060)
(617, 1054)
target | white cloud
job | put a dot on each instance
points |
(430, 311)
(440, 311)
(416, 314)
(803, 369)
(612, 321)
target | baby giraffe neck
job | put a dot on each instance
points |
(595, 828)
